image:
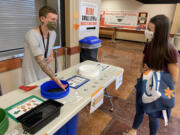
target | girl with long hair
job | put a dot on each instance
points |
(159, 55)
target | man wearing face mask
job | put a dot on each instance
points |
(38, 48)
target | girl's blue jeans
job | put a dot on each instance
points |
(139, 117)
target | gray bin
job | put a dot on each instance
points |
(88, 54)
(89, 48)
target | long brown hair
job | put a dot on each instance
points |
(161, 52)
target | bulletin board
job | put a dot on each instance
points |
(124, 19)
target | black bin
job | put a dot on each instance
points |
(35, 119)
(89, 48)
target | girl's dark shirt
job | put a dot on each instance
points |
(146, 53)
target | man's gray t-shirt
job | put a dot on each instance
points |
(33, 46)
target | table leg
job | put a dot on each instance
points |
(110, 99)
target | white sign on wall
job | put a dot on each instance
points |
(123, 18)
(88, 16)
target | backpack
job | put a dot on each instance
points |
(157, 92)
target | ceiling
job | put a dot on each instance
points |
(159, 1)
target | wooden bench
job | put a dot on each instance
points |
(106, 33)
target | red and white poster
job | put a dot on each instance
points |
(88, 16)
(125, 19)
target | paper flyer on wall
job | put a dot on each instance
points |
(88, 16)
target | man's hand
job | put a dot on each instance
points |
(50, 58)
(63, 86)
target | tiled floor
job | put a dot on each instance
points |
(97, 121)
(129, 56)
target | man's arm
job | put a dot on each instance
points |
(45, 67)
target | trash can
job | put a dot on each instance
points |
(70, 128)
(89, 48)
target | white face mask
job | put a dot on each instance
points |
(149, 34)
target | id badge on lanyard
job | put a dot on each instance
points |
(46, 47)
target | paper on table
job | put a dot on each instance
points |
(119, 80)
(73, 98)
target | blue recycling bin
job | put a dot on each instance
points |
(70, 128)
(89, 48)
(49, 85)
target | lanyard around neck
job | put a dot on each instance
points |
(47, 46)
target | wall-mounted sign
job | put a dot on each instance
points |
(125, 19)
(88, 16)
(142, 20)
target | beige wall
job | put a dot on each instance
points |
(176, 21)
(152, 9)
(10, 80)
(72, 35)
(73, 59)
